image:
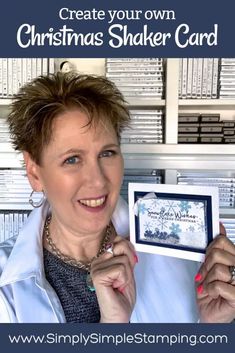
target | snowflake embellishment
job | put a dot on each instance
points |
(171, 206)
(200, 205)
(191, 229)
(147, 225)
(175, 228)
(184, 206)
(142, 208)
(154, 204)
(201, 227)
(162, 223)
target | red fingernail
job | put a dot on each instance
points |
(136, 258)
(200, 289)
(198, 277)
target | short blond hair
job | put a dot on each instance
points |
(39, 102)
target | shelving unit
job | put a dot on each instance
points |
(172, 156)
(169, 156)
(14, 207)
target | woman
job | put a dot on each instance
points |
(68, 263)
(68, 129)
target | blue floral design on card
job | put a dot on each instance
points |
(142, 208)
(184, 206)
(173, 221)
(175, 228)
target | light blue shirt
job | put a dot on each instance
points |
(165, 288)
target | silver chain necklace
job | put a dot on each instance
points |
(69, 260)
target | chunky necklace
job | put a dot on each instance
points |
(69, 260)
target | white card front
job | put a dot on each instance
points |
(173, 220)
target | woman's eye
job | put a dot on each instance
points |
(72, 160)
(107, 153)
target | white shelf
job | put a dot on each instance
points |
(5, 101)
(145, 102)
(196, 150)
(207, 102)
(11, 160)
(6, 147)
(227, 212)
(15, 207)
(173, 156)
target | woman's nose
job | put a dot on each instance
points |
(95, 175)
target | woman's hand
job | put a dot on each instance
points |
(113, 279)
(215, 291)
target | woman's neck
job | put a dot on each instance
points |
(79, 246)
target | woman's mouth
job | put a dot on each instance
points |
(97, 202)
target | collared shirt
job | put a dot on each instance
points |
(165, 290)
(164, 284)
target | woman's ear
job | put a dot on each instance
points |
(33, 174)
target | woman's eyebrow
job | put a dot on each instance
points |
(110, 145)
(71, 150)
(82, 151)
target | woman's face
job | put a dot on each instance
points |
(81, 172)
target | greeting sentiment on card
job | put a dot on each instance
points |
(175, 222)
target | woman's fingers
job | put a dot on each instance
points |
(223, 243)
(220, 256)
(109, 271)
(113, 279)
(221, 289)
(217, 256)
(121, 246)
(222, 229)
(220, 251)
(218, 272)
(115, 268)
(125, 247)
(215, 292)
(216, 303)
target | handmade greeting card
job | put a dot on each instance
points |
(173, 220)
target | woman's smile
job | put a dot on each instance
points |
(93, 204)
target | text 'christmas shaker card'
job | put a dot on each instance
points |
(173, 220)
